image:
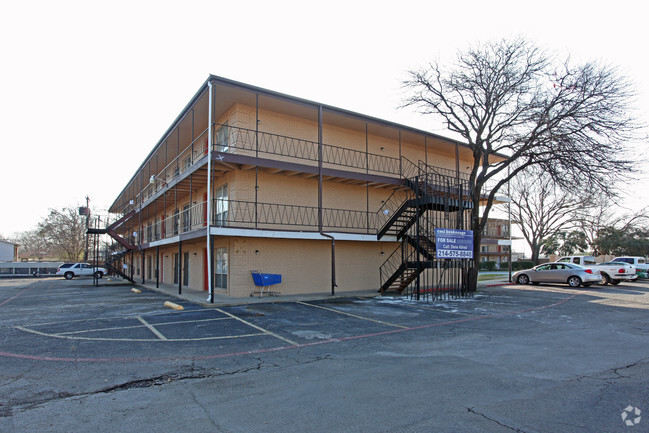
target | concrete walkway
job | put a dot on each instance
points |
(201, 297)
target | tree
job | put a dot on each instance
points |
(32, 245)
(542, 209)
(574, 241)
(515, 108)
(63, 232)
(602, 216)
(631, 241)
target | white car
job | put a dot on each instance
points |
(71, 270)
(616, 272)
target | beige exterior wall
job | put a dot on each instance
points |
(305, 265)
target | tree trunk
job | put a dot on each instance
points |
(472, 275)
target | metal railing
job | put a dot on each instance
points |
(246, 141)
(251, 215)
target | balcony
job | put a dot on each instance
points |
(263, 145)
(260, 216)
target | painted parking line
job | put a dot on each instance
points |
(351, 315)
(141, 324)
(265, 331)
(151, 328)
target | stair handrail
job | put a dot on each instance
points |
(394, 262)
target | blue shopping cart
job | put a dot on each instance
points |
(263, 283)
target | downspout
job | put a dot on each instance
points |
(209, 194)
(320, 226)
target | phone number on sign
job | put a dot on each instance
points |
(454, 254)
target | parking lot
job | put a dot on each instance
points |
(522, 358)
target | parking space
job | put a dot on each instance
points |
(109, 318)
(524, 358)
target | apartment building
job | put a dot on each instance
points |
(315, 193)
(494, 245)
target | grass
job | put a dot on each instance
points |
(486, 276)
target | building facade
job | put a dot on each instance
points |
(8, 251)
(292, 187)
(495, 239)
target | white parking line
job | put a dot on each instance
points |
(151, 328)
(352, 315)
(265, 331)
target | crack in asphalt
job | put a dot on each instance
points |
(191, 373)
(472, 410)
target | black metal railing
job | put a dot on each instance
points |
(255, 215)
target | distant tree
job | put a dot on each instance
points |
(517, 108)
(32, 245)
(630, 240)
(603, 216)
(63, 233)
(542, 210)
(551, 245)
(573, 242)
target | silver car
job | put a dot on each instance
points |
(563, 273)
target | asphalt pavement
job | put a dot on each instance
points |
(75, 357)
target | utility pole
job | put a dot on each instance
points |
(85, 256)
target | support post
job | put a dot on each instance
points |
(320, 224)
(180, 267)
(210, 285)
(157, 267)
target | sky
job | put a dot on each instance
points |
(88, 88)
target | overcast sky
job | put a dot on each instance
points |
(87, 88)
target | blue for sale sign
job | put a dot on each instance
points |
(454, 244)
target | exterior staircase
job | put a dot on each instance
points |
(412, 222)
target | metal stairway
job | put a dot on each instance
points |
(422, 195)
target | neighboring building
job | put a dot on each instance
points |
(284, 176)
(492, 247)
(8, 251)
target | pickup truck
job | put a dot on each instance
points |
(637, 261)
(616, 272)
(71, 270)
(641, 266)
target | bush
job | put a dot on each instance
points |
(517, 266)
(487, 266)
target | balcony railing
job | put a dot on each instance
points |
(251, 215)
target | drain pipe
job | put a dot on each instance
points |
(322, 233)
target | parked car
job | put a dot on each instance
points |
(616, 272)
(639, 262)
(71, 270)
(563, 273)
(578, 260)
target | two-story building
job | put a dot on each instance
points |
(291, 187)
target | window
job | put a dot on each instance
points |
(221, 268)
(222, 139)
(221, 206)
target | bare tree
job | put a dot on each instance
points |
(63, 232)
(515, 107)
(542, 209)
(32, 245)
(602, 216)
